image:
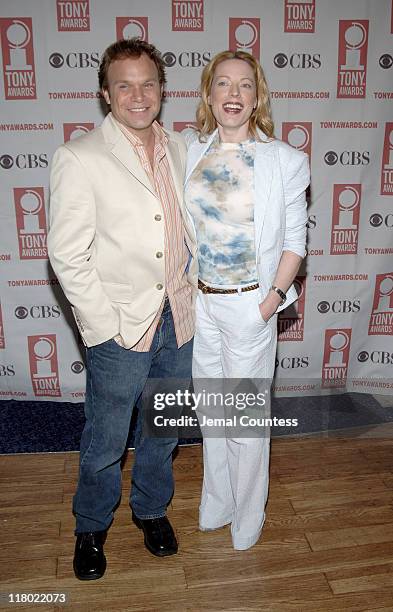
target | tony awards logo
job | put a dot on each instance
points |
(44, 369)
(73, 15)
(18, 58)
(336, 357)
(244, 35)
(31, 222)
(345, 219)
(179, 126)
(74, 130)
(128, 27)
(352, 59)
(387, 162)
(291, 320)
(298, 135)
(187, 15)
(299, 16)
(381, 319)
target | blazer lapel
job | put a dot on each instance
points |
(263, 175)
(123, 151)
(176, 167)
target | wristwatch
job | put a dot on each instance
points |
(280, 293)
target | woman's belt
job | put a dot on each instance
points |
(206, 289)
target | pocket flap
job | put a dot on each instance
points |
(118, 292)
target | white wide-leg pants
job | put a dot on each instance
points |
(233, 341)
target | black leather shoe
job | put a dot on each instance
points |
(160, 539)
(89, 558)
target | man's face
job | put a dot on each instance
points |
(134, 93)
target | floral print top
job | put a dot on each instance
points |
(220, 197)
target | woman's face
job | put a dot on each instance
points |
(233, 98)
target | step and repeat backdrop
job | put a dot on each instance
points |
(329, 66)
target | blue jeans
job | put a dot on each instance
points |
(116, 378)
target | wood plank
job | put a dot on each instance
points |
(352, 516)
(287, 474)
(31, 479)
(39, 512)
(22, 569)
(19, 465)
(193, 603)
(375, 578)
(355, 602)
(13, 495)
(352, 572)
(342, 538)
(388, 479)
(22, 532)
(342, 484)
(181, 598)
(219, 569)
(21, 607)
(341, 500)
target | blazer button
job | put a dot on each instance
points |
(159, 254)
(159, 286)
(157, 218)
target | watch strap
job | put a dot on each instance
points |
(279, 292)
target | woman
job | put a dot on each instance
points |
(246, 194)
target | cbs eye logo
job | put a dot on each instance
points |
(169, 59)
(77, 367)
(56, 60)
(323, 307)
(376, 220)
(363, 356)
(386, 61)
(21, 312)
(280, 60)
(6, 162)
(331, 158)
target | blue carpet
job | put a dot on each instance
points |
(32, 427)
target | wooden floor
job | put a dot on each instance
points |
(327, 543)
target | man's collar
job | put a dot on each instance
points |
(159, 134)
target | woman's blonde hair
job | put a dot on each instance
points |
(261, 116)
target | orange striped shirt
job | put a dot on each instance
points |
(176, 254)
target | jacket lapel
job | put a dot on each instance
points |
(123, 151)
(263, 175)
(176, 167)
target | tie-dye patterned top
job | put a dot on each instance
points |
(220, 198)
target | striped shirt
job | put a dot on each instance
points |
(178, 289)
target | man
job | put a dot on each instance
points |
(121, 245)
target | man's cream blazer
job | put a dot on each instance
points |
(106, 227)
